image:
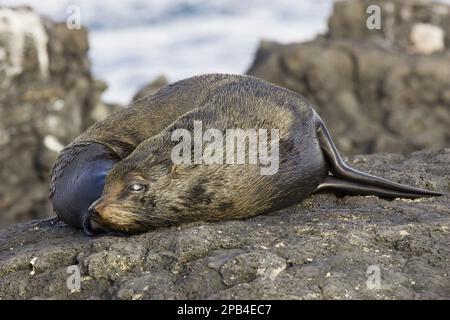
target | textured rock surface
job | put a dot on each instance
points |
(374, 95)
(47, 96)
(321, 248)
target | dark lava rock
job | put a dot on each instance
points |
(322, 248)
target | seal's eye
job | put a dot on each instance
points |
(136, 187)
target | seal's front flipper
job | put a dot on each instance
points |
(348, 180)
(78, 179)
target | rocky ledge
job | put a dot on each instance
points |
(322, 248)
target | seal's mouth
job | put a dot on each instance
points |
(91, 227)
(87, 226)
(107, 214)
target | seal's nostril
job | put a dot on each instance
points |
(93, 213)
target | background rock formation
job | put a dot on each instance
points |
(398, 18)
(372, 89)
(47, 98)
(319, 249)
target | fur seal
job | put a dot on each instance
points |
(145, 190)
(78, 174)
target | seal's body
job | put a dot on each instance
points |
(146, 190)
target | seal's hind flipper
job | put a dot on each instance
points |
(342, 187)
(350, 180)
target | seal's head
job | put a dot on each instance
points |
(147, 190)
(133, 200)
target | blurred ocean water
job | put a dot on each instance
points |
(134, 41)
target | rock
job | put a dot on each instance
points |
(398, 19)
(151, 88)
(374, 96)
(324, 247)
(101, 109)
(427, 38)
(47, 96)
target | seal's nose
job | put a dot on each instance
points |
(93, 213)
(94, 210)
(97, 210)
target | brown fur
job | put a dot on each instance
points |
(123, 131)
